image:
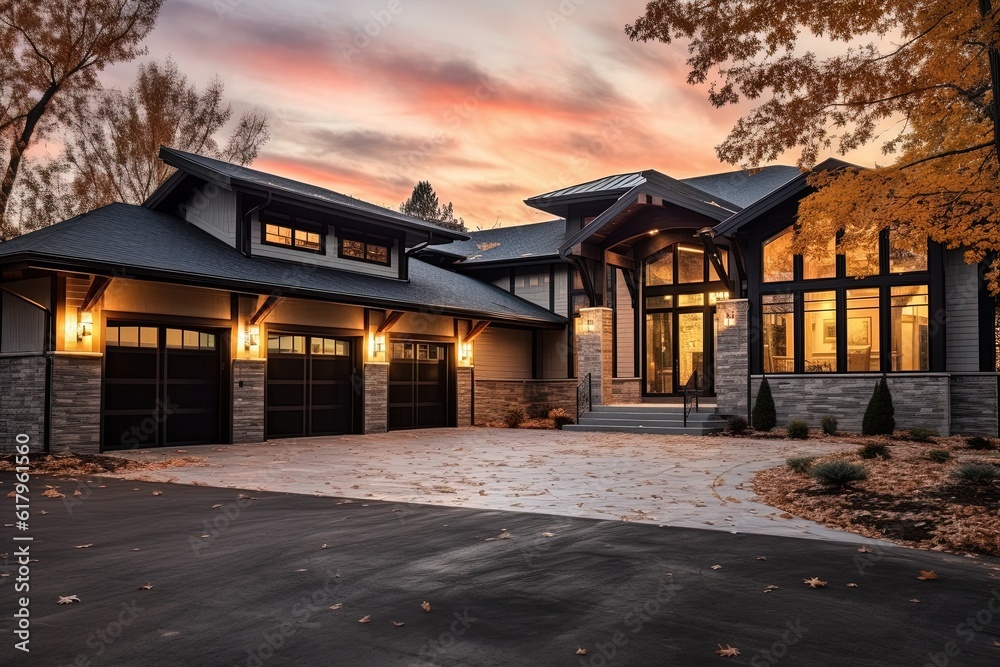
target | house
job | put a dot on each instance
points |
(238, 306)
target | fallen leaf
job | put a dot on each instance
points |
(425, 605)
(864, 550)
(398, 624)
(78, 493)
(325, 546)
(52, 493)
(157, 493)
(215, 507)
(761, 558)
(205, 536)
(68, 599)
(505, 536)
(44, 512)
(366, 619)
(727, 651)
(581, 651)
(12, 494)
(481, 492)
(548, 534)
(146, 587)
(814, 582)
(83, 546)
(716, 567)
(852, 585)
(337, 606)
(927, 575)
(915, 601)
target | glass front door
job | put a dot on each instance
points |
(690, 348)
(675, 349)
(659, 353)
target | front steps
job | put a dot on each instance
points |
(661, 419)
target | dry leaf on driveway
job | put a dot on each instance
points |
(815, 582)
(852, 585)
(156, 493)
(366, 619)
(337, 606)
(425, 605)
(52, 493)
(67, 599)
(146, 587)
(927, 575)
(398, 624)
(716, 567)
(727, 651)
(581, 651)
(83, 546)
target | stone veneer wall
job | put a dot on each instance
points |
(376, 392)
(594, 352)
(921, 400)
(249, 380)
(495, 397)
(463, 394)
(76, 403)
(22, 400)
(974, 404)
(626, 390)
(732, 364)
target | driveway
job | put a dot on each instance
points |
(694, 482)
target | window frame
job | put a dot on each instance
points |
(385, 242)
(295, 227)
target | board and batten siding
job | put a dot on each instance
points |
(329, 260)
(532, 284)
(625, 323)
(213, 210)
(560, 305)
(962, 313)
(555, 354)
(503, 354)
(22, 324)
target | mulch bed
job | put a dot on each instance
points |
(93, 464)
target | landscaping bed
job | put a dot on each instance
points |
(93, 464)
(912, 498)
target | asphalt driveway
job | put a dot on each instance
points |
(660, 480)
(249, 578)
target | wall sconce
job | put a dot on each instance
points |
(729, 319)
(377, 347)
(84, 325)
(465, 352)
(588, 325)
(379, 344)
(251, 336)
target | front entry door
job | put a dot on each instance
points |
(676, 344)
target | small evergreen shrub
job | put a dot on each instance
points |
(800, 464)
(977, 474)
(874, 451)
(764, 416)
(920, 435)
(880, 417)
(538, 411)
(829, 424)
(737, 425)
(559, 416)
(980, 443)
(513, 417)
(838, 474)
(939, 455)
(798, 430)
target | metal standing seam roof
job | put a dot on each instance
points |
(133, 241)
(608, 184)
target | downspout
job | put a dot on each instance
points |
(247, 224)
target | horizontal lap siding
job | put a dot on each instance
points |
(503, 354)
(625, 321)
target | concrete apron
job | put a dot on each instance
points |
(665, 481)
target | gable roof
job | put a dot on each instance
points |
(136, 242)
(539, 240)
(743, 187)
(230, 176)
(609, 186)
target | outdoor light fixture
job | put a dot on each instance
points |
(84, 325)
(588, 325)
(378, 345)
(465, 351)
(729, 319)
(251, 336)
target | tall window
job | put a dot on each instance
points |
(779, 262)
(779, 333)
(660, 271)
(821, 332)
(910, 328)
(821, 264)
(863, 329)
(903, 259)
(682, 264)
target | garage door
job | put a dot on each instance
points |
(162, 386)
(419, 386)
(310, 382)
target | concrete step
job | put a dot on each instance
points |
(652, 408)
(693, 420)
(690, 429)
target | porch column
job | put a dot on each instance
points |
(376, 394)
(594, 349)
(732, 364)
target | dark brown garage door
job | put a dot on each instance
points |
(162, 386)
(310, 385)
(419, 386)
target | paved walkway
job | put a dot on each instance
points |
(661, 480)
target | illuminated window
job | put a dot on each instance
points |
(779, 262)
(821, 332)
(293, 237)
(660, 271)
(366, 249)
(778, 323)
(903, 259)
(822, 264)
(910, 328)
(863, 329)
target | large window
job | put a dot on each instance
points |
(821, 264)
(366, 249)
(293, 237)
(910, 334)
(779, 333)
(682, 264)
(779, 262)
(903, 259)
(821, 332)
(863, 329)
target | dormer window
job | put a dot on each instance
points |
(365, 248)
(293, 237)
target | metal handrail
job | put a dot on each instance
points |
(691, 386)
(584, 397)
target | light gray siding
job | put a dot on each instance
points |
(503, 354)
(532, 284)
(962, 313)
(561, 303)
(22, 325)
(213, 210)
(625, 321)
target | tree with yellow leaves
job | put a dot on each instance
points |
(925, 69)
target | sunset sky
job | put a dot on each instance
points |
(491, 101)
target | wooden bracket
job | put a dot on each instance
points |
(389, 322)
(264, 308)
(97, 287)
(477, 329)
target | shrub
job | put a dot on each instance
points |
(880, 417)
(737, 425)
(829, 424)
(976, 473)
(980, 443)
(538, 411)
(800, 464)
(513, 417)
(873, 451)
(920, 435)
(939, 455)
(559, 416)
(798, 430)
(764, 415)
(838, 474)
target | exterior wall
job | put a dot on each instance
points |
(329, 260)
(213, 210)
(292, 312)
(495, 397)
(136, 296)
(22, 325)
(376, 397)
(962, 312)
(974, 404)
(424, 324)
(560, 304)
(732, 362)
(594, 350)
(248, 400)
(464, 395)
(921, 400)
(626, 390)
(22, 400)
(531, 283)
(503, 354)
(625, 329)
(76, 403)
(555, 354)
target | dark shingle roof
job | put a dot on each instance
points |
(742, 187)
(518, 243)
(227, 174)
(131, 240)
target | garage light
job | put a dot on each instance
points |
(251, 336)
(84, 325)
